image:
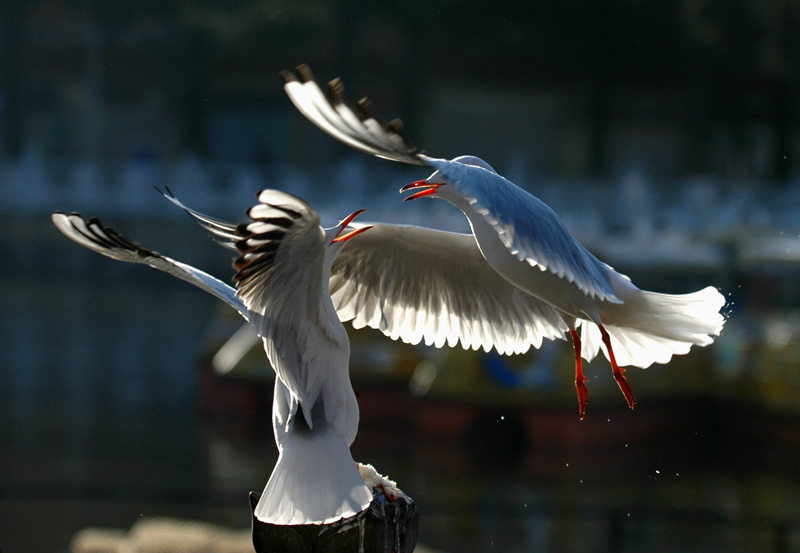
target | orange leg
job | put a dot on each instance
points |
(580, 380)
(619, 374)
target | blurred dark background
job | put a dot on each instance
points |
(679, 87)
(665, 133)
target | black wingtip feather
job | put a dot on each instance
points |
(290, 212)
(407, 151)
(103, 239)
(336, 90)
(365, 108)
(287, 77)
(246, 266)
(282, 222)
(121, 241)
(244, 246)
(269, 235)
(304, 73)
(397, 127)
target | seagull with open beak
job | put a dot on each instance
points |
(283, 264)
(529, 247)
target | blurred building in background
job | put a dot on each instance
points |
(575, 88)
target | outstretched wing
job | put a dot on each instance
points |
(91, 234)
(359, 128)
(417, 284)
(280, 260)
(528, 227)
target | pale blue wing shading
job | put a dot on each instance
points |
(527, 227)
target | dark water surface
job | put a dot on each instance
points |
(104, 419)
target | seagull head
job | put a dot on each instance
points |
(337, 234)
(439, 186)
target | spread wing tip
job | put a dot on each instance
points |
(287, 77)
(336, 90)
(360, 126)
(305, 74)
(92, 234)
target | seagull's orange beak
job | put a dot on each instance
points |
(343, 225)
(428, 189)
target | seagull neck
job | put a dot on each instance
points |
(327, 303)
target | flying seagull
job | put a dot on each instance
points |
(281, 288)
(526, 243)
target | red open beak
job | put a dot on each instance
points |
(428, 189)
(343, 225)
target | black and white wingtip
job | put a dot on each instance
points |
(357, 127)
(92, 234)
(259, 240)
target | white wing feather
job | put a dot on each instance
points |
(423, 285)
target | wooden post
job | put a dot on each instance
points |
(388, 525)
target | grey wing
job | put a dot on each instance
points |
(91, 234)
(528, 227)
(422, 285)
(359, 128)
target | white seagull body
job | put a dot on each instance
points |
(284, 261)
(527, 244)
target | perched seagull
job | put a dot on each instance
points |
(283, 266)
(525, 242)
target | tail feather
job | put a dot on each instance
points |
(315, 481)
(651, 327)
